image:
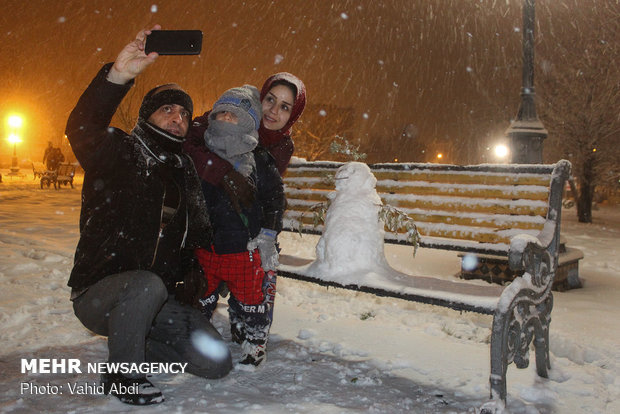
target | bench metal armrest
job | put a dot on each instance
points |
(535, 255)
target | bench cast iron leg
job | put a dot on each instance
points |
(523, 315)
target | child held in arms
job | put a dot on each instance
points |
(244, 246)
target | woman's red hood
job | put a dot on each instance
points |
(296, 110)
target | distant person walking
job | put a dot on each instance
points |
(52, 157)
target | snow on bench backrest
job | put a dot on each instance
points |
(477, 207)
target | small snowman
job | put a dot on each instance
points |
(352, 240)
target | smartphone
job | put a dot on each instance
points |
(174, 42)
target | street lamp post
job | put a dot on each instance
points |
(14, 163)
(15, 123)
(526, 132)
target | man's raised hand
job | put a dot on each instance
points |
(132, 60)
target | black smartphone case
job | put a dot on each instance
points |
(174, 42)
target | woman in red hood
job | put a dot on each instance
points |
(283, 98)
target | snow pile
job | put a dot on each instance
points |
(331, 350)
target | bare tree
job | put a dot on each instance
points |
(318, 128)
(127, 112)
(580, 96)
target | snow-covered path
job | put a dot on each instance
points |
(330, 351)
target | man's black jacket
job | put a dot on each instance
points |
(122, 224)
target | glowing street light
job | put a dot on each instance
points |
(439, 156)
(14, 139)
(15, 121)
(501, 151)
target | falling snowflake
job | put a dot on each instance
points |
(209, 346)
(365, 115)
(154, 8)
(278, 59)
(62, 19)
(344, 16)
(322, 112)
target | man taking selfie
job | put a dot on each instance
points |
(135, 278)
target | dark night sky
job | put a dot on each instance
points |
(396, 63)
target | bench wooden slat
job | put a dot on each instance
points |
(476, 220)
(445, 177)
(306, 194)
(469, 178)
(493, 206)
(423, 188)
(500, 192)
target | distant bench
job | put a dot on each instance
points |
(63, 175)
(510, 211)
(38, 169)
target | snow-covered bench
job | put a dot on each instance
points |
(63, 175)
(38, 169)
(501, 210)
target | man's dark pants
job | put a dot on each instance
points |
(144, 323)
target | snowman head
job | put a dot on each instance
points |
(354, 177)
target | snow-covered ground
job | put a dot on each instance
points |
(330, 351)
